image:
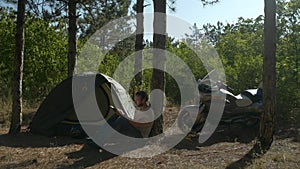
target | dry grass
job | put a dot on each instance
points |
(225, 147)
(5, 112)
(29, 151)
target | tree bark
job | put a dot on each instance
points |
(16, 118)
(269, 77)
(72, 41)
(139, 46)
(159, 61)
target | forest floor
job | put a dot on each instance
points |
(226, 148)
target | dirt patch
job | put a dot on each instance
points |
(227, 146)
(26, 150)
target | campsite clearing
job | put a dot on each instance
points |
(26, 150)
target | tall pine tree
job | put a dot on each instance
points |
(16, 117)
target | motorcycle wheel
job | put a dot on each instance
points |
(185, 121)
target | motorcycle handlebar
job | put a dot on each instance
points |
(203, 86)
(222, 85)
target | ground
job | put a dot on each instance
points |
(226, 148)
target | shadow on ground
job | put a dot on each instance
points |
(90, 155)
(222, 134)
(87, 156)
(27, 139)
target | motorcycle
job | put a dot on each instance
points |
(244, 109)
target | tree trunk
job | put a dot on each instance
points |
(159, 61)
(139, 46)
(72, 41)
(269, 77)
(16, 118)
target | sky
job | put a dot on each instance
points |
(229, 11)
(192, 11)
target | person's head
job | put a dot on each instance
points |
(140, 98)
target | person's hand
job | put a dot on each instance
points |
(119, 112)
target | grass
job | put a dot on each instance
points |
(28, 111)
(5, 112)
(30, 151)
(283, 154)
(225, 147)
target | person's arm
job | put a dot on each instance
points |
(118, 111)
(121, 113)
(142, 119)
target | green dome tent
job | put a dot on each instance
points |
(57, 116)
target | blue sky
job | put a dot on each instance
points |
(193, 11)
(225, 11)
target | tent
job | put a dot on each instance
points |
(57, 116)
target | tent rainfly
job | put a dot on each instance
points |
(57, 116)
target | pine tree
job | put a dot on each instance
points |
(16, 118)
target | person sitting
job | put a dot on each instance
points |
(141, 125)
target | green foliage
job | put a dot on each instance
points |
(240, 48)
(239, 45)
(192, 61)
(7, 45)
(288, 58)
(45, 55)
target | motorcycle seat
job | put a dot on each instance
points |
(240, 100)
(254, 95)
